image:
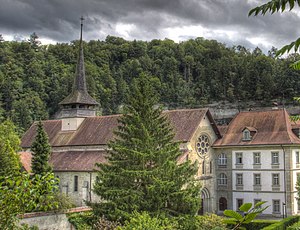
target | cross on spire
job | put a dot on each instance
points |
(81, 26)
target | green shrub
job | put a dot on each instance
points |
(206, 222)
(64, 202)
(259, 224)
(103, 224)
(81, 220)
(143, 221)
(282, 225)
(295, 226)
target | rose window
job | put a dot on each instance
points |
(202, 144)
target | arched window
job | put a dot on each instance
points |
(222, 179)
(222, 204)
(203, 167)
(222, 161)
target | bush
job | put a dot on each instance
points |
(63, 201)
(259, 224)
(143, 221)
(295, 226)
(206, 222)
(282, 225)
(104, 224)
(81, 220)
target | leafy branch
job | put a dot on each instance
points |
(250, 214)
(277, 6)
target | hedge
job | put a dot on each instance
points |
(81, 220)
(295, 226)
(283, 224)
(259, 224)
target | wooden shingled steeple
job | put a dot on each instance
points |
(79, 102)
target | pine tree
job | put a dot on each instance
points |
(40, 151)
(142, 172)
(9, 146)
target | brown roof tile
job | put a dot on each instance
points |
(68, 160)
(76, 160)
(185, 122)
(25, 158)
(272, 127)
(99, 130)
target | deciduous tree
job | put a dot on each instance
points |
(9, 146)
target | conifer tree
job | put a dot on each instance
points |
(9, 146)
(40, 151)
(142, 172)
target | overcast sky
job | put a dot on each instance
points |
(226, 21)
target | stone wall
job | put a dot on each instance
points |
(84, 186)
(51, 220)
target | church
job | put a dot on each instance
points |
(255, 158)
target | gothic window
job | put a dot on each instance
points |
(222, 180)
(202, 145)
(75, 183)
(203, 167)
(222, 161)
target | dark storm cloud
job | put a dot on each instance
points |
(147, 19)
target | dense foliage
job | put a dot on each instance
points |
(40, 151)
(283, 224)
(9, 146)
(23, 193)
(35, 78)
(142, 173)
(143, 221)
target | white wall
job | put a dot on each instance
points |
(266, 158)
(265, 169)
(250, 197)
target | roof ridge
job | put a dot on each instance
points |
(262, 111)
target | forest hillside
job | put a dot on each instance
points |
(34, 78)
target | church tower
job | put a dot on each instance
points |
(78, 104)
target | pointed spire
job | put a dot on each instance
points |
(79, 94)
(80, 82)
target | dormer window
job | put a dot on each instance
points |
(246, 135)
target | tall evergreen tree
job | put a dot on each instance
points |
(142, 172)
(9, 145)
(40, 151)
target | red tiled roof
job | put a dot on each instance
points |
(76, 160)
(272, 127)
(25, 158)
(68, 160)
(99, 130)
(222, 129)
